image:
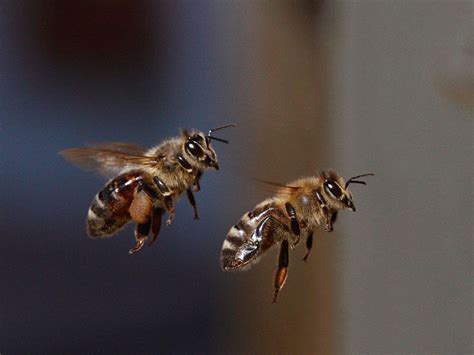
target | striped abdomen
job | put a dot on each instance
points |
(255, 233)
(109, 209)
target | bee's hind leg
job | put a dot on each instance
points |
(295, 226)
(140, 211)
(141, 235)
(282, 271)
(167, 194)
(156, 223)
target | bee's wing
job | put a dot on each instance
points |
(121, 147)
(110, 159)
(255, 233)
(276, 187)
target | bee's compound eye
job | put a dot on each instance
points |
(197, 138)
(194, 149)
(332, 188)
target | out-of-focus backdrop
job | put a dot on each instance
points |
(373, 86)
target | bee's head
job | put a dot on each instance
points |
(197, 148)
(336, 192)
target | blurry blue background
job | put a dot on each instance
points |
(356, 86)
(93, 71)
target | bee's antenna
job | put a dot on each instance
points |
(353, 181)
(209, 136)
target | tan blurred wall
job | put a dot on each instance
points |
(354, 86)
(287, 131)
(292, 113)
(405, 256)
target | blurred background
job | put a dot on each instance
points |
(369, 86)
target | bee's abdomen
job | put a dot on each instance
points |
(240, 239)
(236, 237)
(109, 209)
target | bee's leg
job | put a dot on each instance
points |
(309, 245)
(295, 226)
(328, 219)
(149, 190)
(141, 235)
(282, 271)
(196, 186)
(192, 201)
(165, 191)
(157, 212)
(156, 223)
(140, 211)
(170, 207)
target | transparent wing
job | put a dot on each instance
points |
(276, 188)
(110, 159)
(130, 148)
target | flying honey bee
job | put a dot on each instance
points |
(145, 183)
(297, 210)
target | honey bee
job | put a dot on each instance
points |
(145, 183)
(296, 210)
